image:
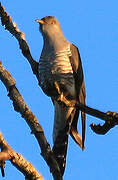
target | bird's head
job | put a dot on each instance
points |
(49, 26)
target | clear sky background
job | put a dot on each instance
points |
(93, 27)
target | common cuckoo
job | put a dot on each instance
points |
(61, 78)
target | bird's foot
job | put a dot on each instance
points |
(62, 97)
(64, 100)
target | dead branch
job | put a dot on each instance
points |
(7, 153)
(21, 107)
(110, 118)
(6, 21)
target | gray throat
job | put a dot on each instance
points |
(54, 42)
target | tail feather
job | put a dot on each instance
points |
(82, 97)
(83, 119)
(74, 132)
(65, 123)
(60, 149)
(76, 137)
(61, 131)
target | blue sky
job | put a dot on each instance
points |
(93, 27)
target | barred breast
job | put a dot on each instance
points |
(56, 62)
(56, 66)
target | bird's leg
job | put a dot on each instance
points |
(57, 87)
(62, 96)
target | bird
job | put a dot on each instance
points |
(61, 77)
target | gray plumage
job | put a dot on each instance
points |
(61, 78)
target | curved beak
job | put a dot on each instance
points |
(40, 21)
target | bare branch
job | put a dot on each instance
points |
(20, 106)
(6, 21)
(110, 118)
(18, 161)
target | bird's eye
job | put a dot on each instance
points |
(52, 22)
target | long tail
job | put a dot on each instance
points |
(60, 149)
(61, 131)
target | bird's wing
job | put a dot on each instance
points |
(76, 63)
(66, 117)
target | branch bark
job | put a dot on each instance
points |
(110, 118)
(7, 153)
(21, 107)
(6, 21)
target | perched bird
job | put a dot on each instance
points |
(61, 78)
